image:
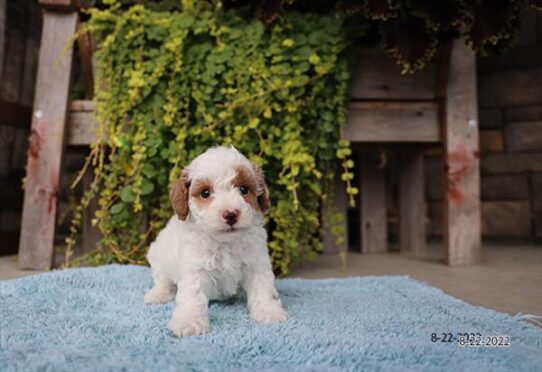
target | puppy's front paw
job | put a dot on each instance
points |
(271, 314)
(158, 296)
(189, 326)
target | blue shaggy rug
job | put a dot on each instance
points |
(95, 320)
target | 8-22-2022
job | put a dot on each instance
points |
(472, 339)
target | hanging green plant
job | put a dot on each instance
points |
(172, 84)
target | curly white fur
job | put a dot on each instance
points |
(206, 257)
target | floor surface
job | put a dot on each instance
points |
(509, 279)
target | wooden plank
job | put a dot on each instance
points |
(392, 122)
(14, 114)
(378, 77)
(337, 202)
(82, 123)
(368, 122)
(412, 202)
(59, 5)
(46, 141)
(462, 222)
(81, 105)
(373, 222)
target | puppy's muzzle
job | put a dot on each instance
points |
(230, 216)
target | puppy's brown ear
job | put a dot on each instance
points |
(263, 195)
(178, 195)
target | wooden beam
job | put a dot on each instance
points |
(369, 122)
(373, 222)
(392, 122)
(58, 5)
(412, 202)
(82, 124)
(462, 233)
(46, 141)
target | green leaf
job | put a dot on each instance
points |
(127, 194)
(147, 187)
(117, 208)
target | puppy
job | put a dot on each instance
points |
(216, 244)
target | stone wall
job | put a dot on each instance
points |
(510, 108)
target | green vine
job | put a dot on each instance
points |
(171, 84)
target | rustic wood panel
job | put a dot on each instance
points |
(392, 122)
(82, 123)
(57, 4)
(378, 77)
(462, 171)
(373, 222)
(412, 203)
(46, 141)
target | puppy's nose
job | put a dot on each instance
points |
(230, 216)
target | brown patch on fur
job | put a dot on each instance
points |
(197, 188)
(178, 195)
(243, 177)
(263, 198)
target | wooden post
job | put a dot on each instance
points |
(412, 202)
(373, 222)
(46, 140)
(462, 235)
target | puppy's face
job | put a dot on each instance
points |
(222, 191)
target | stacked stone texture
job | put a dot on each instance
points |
(510, 113)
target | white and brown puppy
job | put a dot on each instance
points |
(216, 245)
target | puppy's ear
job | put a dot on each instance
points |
(263, 196)
(178, 195)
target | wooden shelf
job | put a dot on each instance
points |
(388, 121)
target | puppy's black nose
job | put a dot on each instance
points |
(230, 217)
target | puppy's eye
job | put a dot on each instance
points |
(243, 189)
(205, 193)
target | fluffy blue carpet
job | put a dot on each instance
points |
(95, 320)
